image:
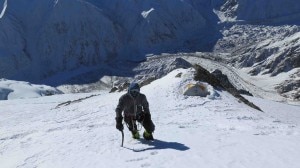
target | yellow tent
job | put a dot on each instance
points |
(198, 89)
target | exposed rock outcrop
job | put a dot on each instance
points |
(226, 83)
(202, 74)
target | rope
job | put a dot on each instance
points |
(139, 124)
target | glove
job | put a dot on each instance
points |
(119, 124)
(147, 116)
(120, 127)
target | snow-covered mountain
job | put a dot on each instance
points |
(41, 38)
(59, 42)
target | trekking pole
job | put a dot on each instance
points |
(122, 138)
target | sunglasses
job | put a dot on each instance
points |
(134, 91)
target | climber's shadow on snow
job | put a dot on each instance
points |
(159, 144)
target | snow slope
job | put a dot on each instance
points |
(214, 131)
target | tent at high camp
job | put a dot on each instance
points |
(196, 89)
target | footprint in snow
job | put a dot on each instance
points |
(154, 153)
(136, 159)
(146, 165)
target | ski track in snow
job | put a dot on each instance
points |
(190, 132)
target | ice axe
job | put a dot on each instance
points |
(122, 138)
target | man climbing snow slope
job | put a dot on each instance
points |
(136, 109)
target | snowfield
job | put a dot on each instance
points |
(213, 132)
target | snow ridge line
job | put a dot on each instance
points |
(4, 9)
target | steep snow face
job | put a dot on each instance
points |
(157, 26)
(41, 38)
(80, 36)
(160, 29)
(4, 9)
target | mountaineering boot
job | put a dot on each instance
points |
(148, 136)
(135, 135)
